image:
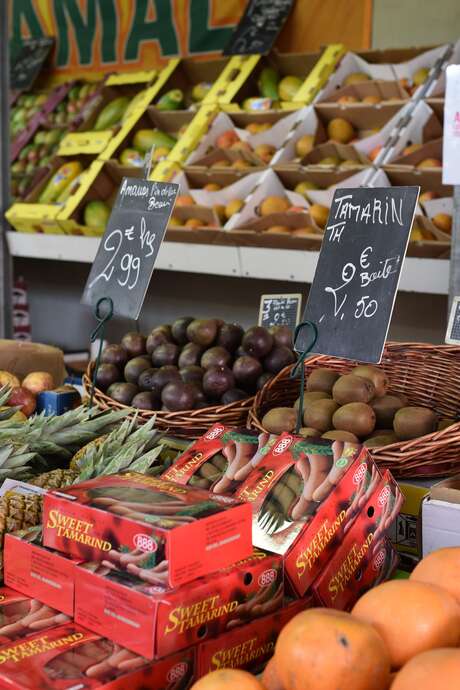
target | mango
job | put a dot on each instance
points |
(63, 177)
(356, 78)
(96, 214)
(268, 83)
(340, 130)
(304, 145)
(144, 139)
(200, 91)
(273, 204)
(171, 100)
(288, 87)
(131, 157)
(111, 114)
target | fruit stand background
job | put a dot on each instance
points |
(129, 35)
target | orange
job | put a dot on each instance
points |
(270, 678)
(411, 617)
(228, 679)
(323, 649)
(442, 568)
(438, 668)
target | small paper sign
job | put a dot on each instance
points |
(259, 27)
(356, 279)
(280, 310)
(128, 250)
(451, 141)
(27, 61)
(453, 327)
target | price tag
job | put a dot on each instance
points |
(280, 310)
(259, 27)
(129, 247)
(451, 141)
(27, 61)
(356, 279)
(453, 327)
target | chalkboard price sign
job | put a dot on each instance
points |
(354, 288)
(280, 310)
(259, 27)
(128, 250)
(27, 61)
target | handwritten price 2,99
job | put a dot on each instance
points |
(129, 263)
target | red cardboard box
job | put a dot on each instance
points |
(21, 616)
(304, 494)
(248, 647)
(213, 460)
(339, 584)
(69, 658)
(195, 531)
(47, 575)
(154, 621)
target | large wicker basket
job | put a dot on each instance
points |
(428, 375)
(187, 423)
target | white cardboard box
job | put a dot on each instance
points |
(441, 516)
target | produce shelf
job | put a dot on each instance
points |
(240, 262)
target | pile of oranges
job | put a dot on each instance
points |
(403, 635)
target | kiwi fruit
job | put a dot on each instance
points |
(374, 374)
(280, 419)
(352, 389)
(444, 423)
(318, 414)
(380, 440)
(307, 431)
(338, 435)
(355, 417)
(412, 422)
(322, 379)
(310, 397)
(385, 409)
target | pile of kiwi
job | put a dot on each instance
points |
(355, 407)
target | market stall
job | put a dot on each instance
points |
(198, 501)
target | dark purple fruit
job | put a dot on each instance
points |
(165, 354)
(282, 335)
(134, 343)
(179, 329)
(106, 375)
(247, 370)
(190, 355)
(145, 379)
(257, 341)
(263, 379)
(157, 337)
(199, 394)
(216, 381)
(202, 332)
(192, 374)
(163, 376)
(134, 369)
(178, 396)
(215, 357)
(230, 336)
(146, 401)
(240, 352)
(115, 354)
(122, 392)
(233, 395)
(278, 358)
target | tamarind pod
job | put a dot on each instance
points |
(330, 482)
(58, 619)
(99, 670)
(209, 471)
(153, 578)
(234, 623)
(219, 461)
(284, 495)
(223, 485)
(273, 604)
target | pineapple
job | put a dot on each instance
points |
(18, 511)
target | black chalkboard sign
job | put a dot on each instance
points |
(453, 327)
(128, 250)
(280, 310)
(259, 27)
(27, 60)
(354, 288)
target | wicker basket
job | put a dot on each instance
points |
(428, 375)
(187, 423)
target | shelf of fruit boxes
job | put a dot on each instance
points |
(237, 262)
